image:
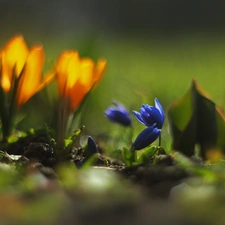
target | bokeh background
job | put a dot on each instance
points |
(154, 48)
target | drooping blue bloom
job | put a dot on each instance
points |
(118, 114)
(146, 137)
(150, 115)
(91, 145)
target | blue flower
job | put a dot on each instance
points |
(91, 145)
(151, 115)
(146, 137)
(118, 114)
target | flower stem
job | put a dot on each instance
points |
(133, 156)
(62, 115)
(160, 139)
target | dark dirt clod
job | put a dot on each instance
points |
(157, 178)
(18, 147)
(41, 152)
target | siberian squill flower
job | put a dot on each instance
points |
(77, 76)
(118, 114)
(153, 117)
(91, 147)
(21, 69)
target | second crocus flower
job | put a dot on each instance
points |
(77, 76)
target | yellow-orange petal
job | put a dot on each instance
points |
(67, 68)
(14, 56)
(83, 84)
(15, 53)
(73, 70)
(60, 70)
(5, 83)
(31, 77)
(48, 78)
(78, 97)
(99, 71)
(87, 72)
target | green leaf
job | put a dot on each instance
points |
(71, 140)
(210, 173)
(67, 142)
(195, 119)
(221, 129)
(183, 161)
(147, 154)
(127, 156)
(90, 162)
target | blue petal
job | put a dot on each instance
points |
(160, 108)
(109, 112)
(116, 116)
(154, 116)
(122, 109)
(146, 114)
(150, 115)
(92, 147)
(139, 117)
(157, 117)
(146, 137)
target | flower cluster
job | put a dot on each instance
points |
(153, 117)
(21, 70)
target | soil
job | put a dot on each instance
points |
(155, 181)
(37, 149)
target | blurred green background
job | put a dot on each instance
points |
(154, 48)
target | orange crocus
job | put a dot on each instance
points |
(76, 76)
(23, 65)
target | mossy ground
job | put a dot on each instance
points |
(47, 191)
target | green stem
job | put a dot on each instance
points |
(160, 139)
(4, 116)
(8, 104)
(12, 106)
(133, 156)
(79, 112)
(63, 112)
